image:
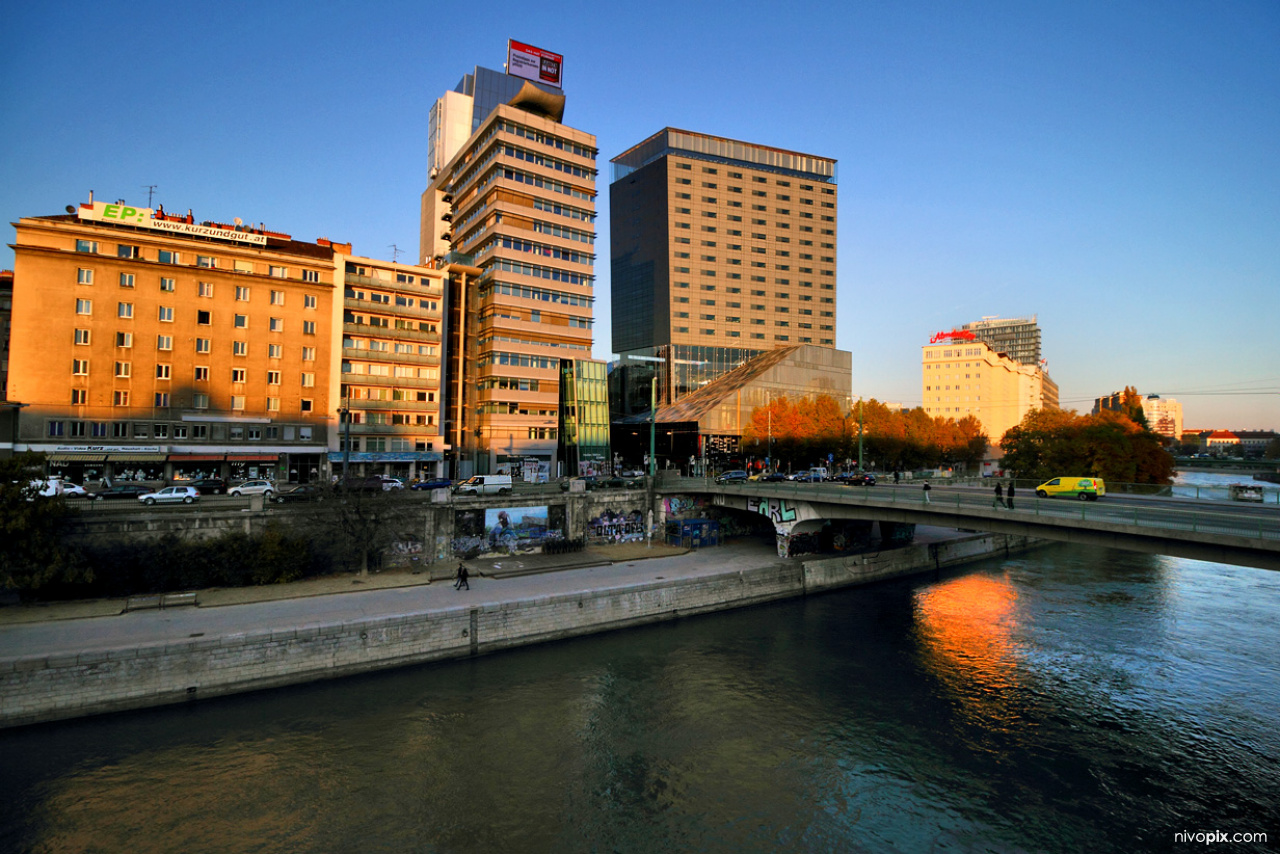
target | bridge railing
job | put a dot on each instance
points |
(1234, 519)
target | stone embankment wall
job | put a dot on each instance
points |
(45, 688)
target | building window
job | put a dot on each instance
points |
(311, 276)
(82, 336)
(79, 396)
(80, 367)
(168, 257)
(84, 277)
(305, 404)
(57, 428)
(308, 380)
(120, 398)
(124, 369)
(84, 306)
(273, 378)
(276, 324)
(277, 297)
(90, 246)
(164, 342)
(203, 345)
(125, 310)
(166, 284)
(275, 351)
(204, 318)
(237, 375)
(205, 289)
(308, 354)
(242, 321)
(202, 373)
(199, 400)
(309, 300)
(200, 431)
(277, 272)
(206, 261)
(239, 348)
(308, 327)
(163, 371)
(237, 401)
(162, 398)
(126, 280)
(242, 293)
(273, 404)
(124, 339)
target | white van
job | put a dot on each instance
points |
(818, 472)
(485, 484)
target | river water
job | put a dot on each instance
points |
(1070, 699)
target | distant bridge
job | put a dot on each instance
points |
(1241, 534)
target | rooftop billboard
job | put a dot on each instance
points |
(534, 63)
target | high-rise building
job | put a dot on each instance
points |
(1018, 337)
(721, 250)
(512, 207)
(962, 376)
(1164, 415)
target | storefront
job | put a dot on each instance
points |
(78, 467)
(135, 467)
(254, 466)
(407, 465)
(185, 467)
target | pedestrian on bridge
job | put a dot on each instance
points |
(999, 501)
(1010, 503)
(462, 577)
(926, 488)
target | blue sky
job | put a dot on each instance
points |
(1113, 168)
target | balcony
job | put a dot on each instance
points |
(384, 382)
(365, 330)
(388, 356)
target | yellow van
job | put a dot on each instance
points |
(1083, 488)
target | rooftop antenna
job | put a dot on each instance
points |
(151, 191)
(395, 253)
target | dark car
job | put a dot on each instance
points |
(732, 476)
(773, 477)
(210, 486)
(305, 492)
(433, 483)
(619, 482)
(860, 479)
(124, 490)
(590, 481)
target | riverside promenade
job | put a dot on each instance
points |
(58, 668)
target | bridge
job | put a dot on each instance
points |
(1245, 535)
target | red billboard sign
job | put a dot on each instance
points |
(534, 63)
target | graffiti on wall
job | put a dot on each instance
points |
(775, 508)
(503, 531)
(614, 527)
(682, 504)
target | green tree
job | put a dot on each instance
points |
(1110, 445)
(32, 551)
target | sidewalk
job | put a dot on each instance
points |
(347, 582)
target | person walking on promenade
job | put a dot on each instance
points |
(897, 477)
(462, 577)
(926, 488)
(999, 502)
(1010, 502)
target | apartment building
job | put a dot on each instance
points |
(149, 346)
(511, 211)
(721, 250)
(387, 378)
(962, 376)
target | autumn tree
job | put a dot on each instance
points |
(1110, 445)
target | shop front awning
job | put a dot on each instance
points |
(137, 458)
(196, 458)
(77, 458)
(252, 458)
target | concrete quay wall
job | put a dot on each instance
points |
(39, 688)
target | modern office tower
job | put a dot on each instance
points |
(1018, 338)
(513, 210)
(1164, 415)
(387, 376)
(962, 376)
(149, 346)
(721, 250)
(584, 411)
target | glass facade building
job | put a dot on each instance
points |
(584, 416)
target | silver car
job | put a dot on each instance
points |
(171, 495)
(254, 487)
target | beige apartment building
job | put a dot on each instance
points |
(386, 378)
(961, 377)
(512, 210)
(146, 345)
(721, 250)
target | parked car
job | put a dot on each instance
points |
(171, 495)
(589, 482)
(390, 483)
(1083, 488)
(74, 490)
(433, 483)
(806, 477)
(732, 476)
(123, 490)
(620, 482)
(209, 486)
(253, 487)
(865, 478)
(304, 492)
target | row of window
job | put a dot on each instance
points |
(164, 371)
(398, 300)
(204, 317)
(85, 276)
(759, 336)
(759, 179)
(152, 430)
(209, 262)
(199, 400)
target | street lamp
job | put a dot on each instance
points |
(653, 412)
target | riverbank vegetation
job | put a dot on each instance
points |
(1110, 445)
